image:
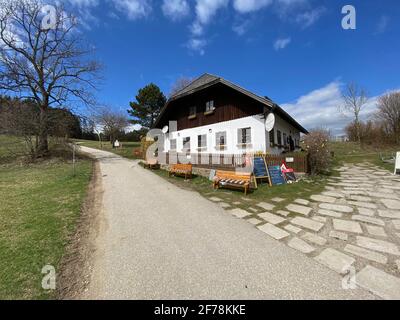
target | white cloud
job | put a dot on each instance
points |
(281, 43)
(176, 9)
(84, 3)
(240, 28)
(246, 6)
(134, 9)
(197, 45)
(308, 18)
(320, 108)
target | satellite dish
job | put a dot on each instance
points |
(270, 122)
(165, 129)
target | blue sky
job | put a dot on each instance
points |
(294, 51)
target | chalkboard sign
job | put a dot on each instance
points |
(260, 168)
(276, 175)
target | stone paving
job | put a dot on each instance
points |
(354, 222)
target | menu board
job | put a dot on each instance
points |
(260, 168)
(276, 175)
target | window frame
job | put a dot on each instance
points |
(209, 109)
(200, 147)
(170, 144)
(218, 136)
(241, 142)
(191, 114)
(183, 144)
(279, 138)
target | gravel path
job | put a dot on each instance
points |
(157, 241)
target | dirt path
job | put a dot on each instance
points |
(157, 241)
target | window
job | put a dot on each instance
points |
(172, 144)
(210, 106)
(220, 138)
(272, 138)
(279, 138)
(285, 139)
(192, 112)
(186, 144)
(244, 136)
(202, 143)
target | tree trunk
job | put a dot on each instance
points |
(43, 145)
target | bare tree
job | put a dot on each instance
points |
(354, 100)
(180, 84)
(42, 57)
(389, 114)
(111, 122)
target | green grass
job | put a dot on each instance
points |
(353, 153)
(126, 150)
(290, 192)
(40, 205)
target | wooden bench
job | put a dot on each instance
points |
(181, 170)
(232, 180)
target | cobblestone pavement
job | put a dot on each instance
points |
(352, 227)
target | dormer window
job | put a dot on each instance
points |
(210, 107)
(192, 112)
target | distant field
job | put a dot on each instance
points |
(40, 205)
(125, 151)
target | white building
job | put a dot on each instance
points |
(215, 116)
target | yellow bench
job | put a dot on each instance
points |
(181, 170)
(232, 180)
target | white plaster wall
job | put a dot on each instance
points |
(258, 136)
(284, 127)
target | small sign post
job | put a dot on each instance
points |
(397, 164)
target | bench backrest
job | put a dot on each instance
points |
(243, 176)
(183, 167)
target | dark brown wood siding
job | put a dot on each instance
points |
(229, 105)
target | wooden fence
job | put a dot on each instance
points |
(232, 161)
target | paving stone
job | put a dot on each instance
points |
(292, 228)
(237, 203)
(336, 207)
(330, 188)
(334, 194)
(266, 206)
(313, 238)
(356, 192)
(378, 245)
(320, 219)
(367, 205)
(283, 213)
(254, 210)
(382, 195)
(360, 198)
(299, 209)
(391, 204)
(277, 199)
(379, 282)
(254, 221)
(370, 220)
(224, 205)
(376, 231)
(392, 214)
(347, 226)
(300, 245)
(366, 254)
(398, 264)
(335, 260)
(215, 199)
(303, 202)
(330, 213)
(274, 232)
(366, 212)
(339, 235)
(322, 198)
(307, 223)
(271, 218)
(396, 224)
(239, 213)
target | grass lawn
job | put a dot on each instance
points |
(351, 152)
(40, 205)
(290, 192)
(126, 150)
